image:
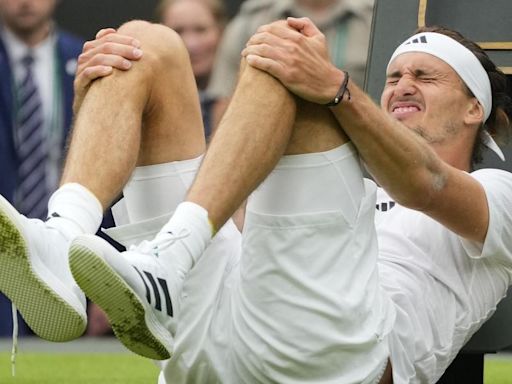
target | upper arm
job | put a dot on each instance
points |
(460, 204)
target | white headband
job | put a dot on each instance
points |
(463, 62)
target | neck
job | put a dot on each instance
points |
(455, 160)
(458, 155)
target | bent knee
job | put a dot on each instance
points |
(157, 41)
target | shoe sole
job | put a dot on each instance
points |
(44, 311)
(124, 310)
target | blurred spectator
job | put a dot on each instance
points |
(345, 23)
(37, 66)
(200, 23)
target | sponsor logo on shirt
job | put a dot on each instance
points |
(385, 206)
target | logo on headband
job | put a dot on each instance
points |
(421, 40)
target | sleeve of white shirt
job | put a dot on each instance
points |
(498, 241)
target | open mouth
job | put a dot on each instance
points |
(402, 110)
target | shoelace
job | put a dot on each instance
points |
(161, 241)
(14, 350)
(15, 326)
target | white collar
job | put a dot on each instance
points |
(17, 49)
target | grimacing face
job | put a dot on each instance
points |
(26, 16)
(426, 95)
(195, 23)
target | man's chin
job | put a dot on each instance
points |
(415, 127)
(405, 120)
(26, 24)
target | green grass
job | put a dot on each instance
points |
(498, 371)
(78, 368)
(125, 368)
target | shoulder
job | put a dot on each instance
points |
(497, 184)
(69, 41)
(263, 11)
(366, 5)
(252, 14)
(494, 178)
(357, 9)
(250, 7)
(69, 47)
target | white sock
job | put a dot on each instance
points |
(74, 210)
(194, 219)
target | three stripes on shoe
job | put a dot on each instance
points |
(156, 291)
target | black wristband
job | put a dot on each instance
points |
(341, 92)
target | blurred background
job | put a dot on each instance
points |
(76, 15)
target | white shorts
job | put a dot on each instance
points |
(296, 298)
(150, 198)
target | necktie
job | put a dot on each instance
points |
(32, 195)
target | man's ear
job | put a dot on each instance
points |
(474, 113)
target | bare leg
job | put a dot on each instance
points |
(257, 129)
(251, 138)
(147, 115)
(300, 264)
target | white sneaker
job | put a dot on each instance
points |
(35, 275)
(138, 289)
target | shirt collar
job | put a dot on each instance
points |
(17, 49)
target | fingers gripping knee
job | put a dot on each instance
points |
(158, 42)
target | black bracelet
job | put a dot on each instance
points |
(341, 92)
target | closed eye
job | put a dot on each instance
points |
(393, 81)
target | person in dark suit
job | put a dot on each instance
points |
(27, 29)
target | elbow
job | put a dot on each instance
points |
(422, 189)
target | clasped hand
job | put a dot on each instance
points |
(295, 52)
(100, 56)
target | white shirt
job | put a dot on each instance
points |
(444, 287)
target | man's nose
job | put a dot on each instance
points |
(405, 86)
(191, 41)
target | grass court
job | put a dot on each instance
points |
(104, 361)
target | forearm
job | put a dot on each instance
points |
(399, 160)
